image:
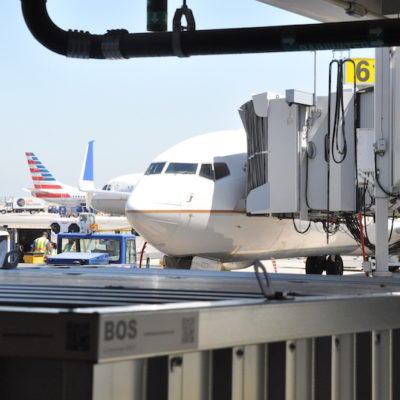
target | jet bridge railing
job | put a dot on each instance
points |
(337, 347)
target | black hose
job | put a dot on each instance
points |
(266, 288)
(122, 44)
(297, 229)
(389, 194)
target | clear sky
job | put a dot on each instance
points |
(133, 109)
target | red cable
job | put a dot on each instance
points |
(141, 254)
(362, 238)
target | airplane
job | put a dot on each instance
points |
(48, 188)
(191, 202)
(112, 197)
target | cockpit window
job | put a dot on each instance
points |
(155, 168)
(221, 170)
(206, 171)
(107, 187)
(181, 168)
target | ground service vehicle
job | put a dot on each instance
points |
(94, 248)
(23, 204)
(85, 223)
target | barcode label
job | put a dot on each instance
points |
(188, 330)
(78, 336)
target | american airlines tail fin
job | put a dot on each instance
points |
(47, 187)
(42, 178)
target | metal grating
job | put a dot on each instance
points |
(78, 297)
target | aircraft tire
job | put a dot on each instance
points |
(334, 265)
(73, 228)
(11, 259)
(315, 265)
(55, 228)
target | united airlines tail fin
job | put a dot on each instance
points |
(86, 182)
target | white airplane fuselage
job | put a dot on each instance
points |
(185, 214)
(112, 198)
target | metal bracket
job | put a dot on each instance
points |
(178, 28)
(78, 44)
(110, 45)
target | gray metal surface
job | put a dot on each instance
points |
(199, 281)
(110, 333)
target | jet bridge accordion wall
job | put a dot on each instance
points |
(272, 127)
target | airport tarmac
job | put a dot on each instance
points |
(43, 221)
(352, 265)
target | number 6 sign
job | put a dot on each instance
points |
(365, 70)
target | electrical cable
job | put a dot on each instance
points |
(391, 228)
(389, 194)
(267, 288)
(339, 114)
(330, 228)
(333, 132)
(297, 229)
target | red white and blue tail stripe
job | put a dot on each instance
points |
(45, 185)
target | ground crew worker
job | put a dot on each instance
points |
(42, 244)
(53, 249)
(70, 246)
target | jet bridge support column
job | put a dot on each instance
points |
(383, 133)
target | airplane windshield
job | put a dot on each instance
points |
(155, 168)
(214, 172)
(181, 168)
(221, 170)
(206, 171)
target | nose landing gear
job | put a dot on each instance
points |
(332, 264)
(171, 262)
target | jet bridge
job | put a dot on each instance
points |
(289, 164)
(327, 159)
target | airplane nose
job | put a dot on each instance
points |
(153, 210)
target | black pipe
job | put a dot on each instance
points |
(122, 44)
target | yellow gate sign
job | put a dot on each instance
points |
(365, 70)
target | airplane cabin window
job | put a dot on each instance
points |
(206, 171)
(221, 170)
(181, 168)
(155, 168)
